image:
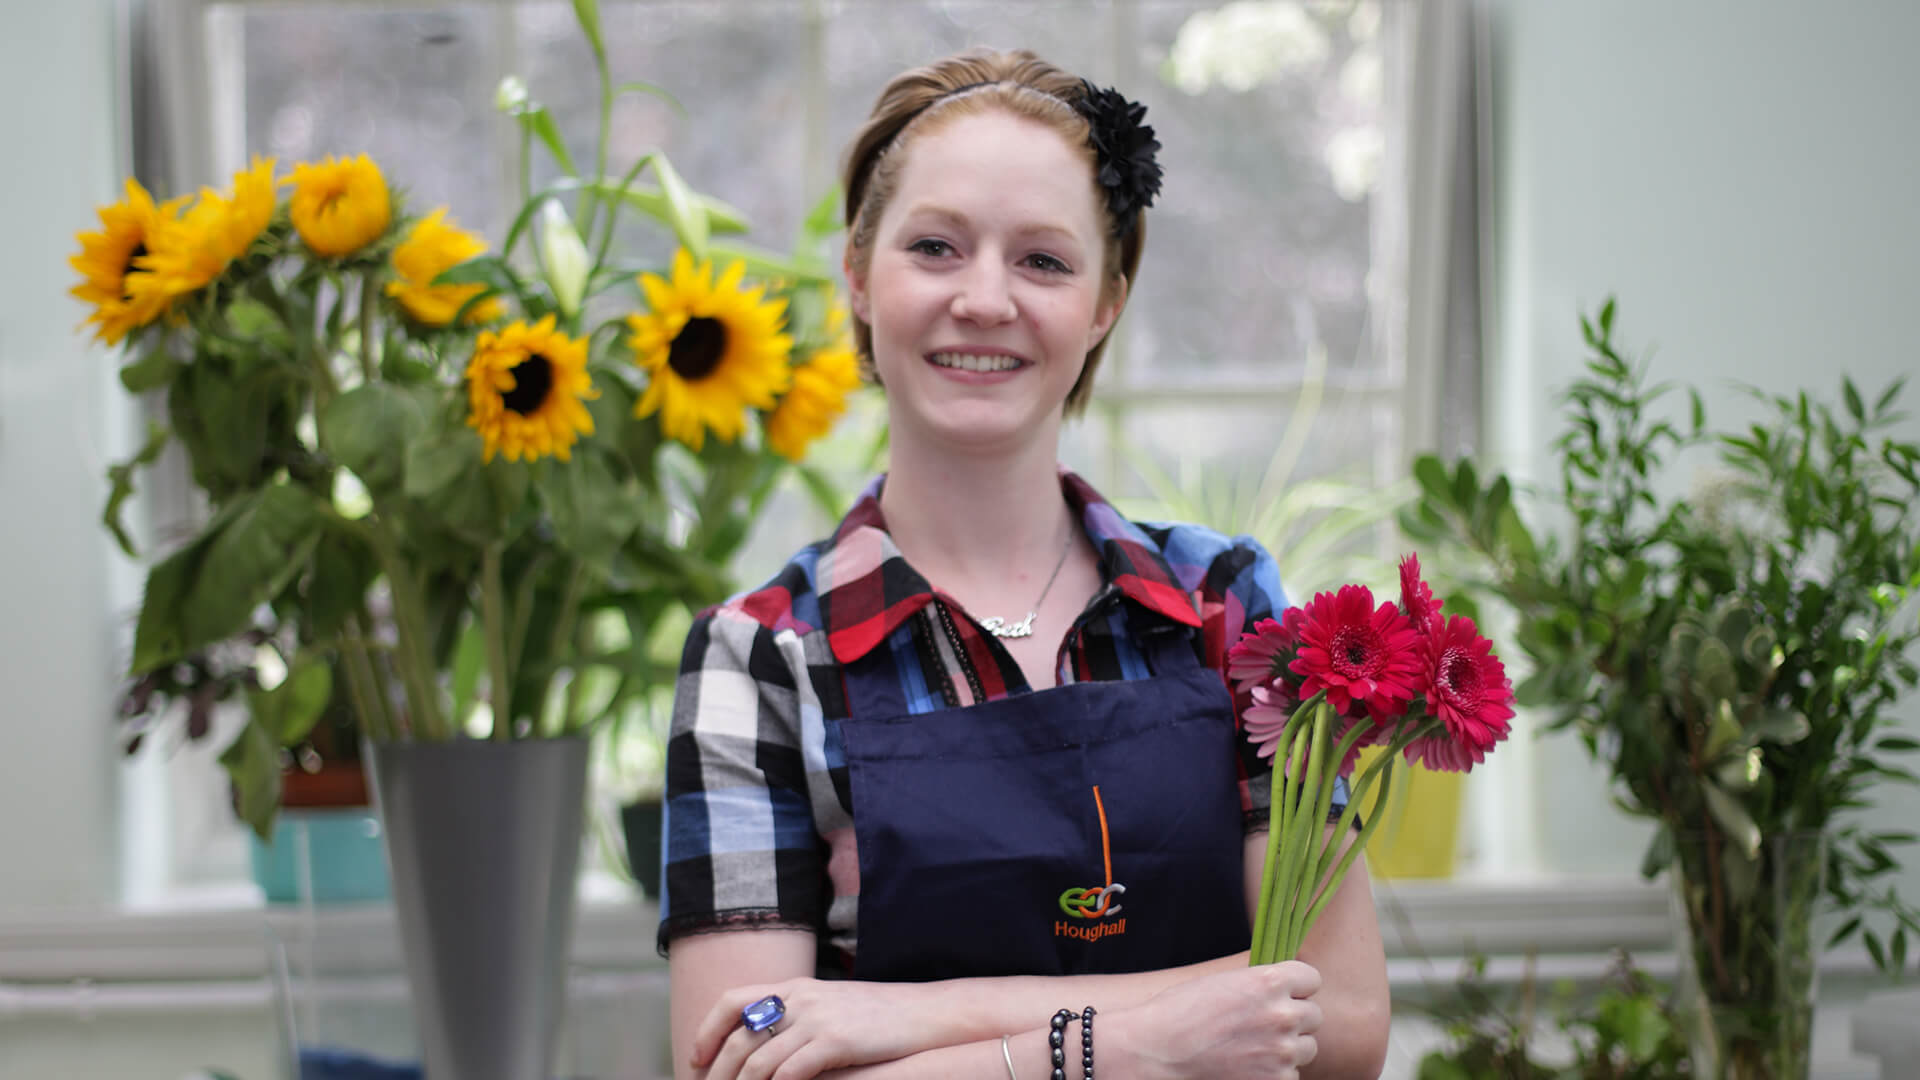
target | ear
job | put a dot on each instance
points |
(1108, 313)
(857, 299)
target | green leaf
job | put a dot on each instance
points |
(1781, 727)
(121, 477)
(1606, 318)
(344, 568)
(1723, 731)
(689, 222)
(1855, 407)
(288, 711)
(154, 370)
(1659, 854)
(1638, 1024)
(766, 264)
(1896, 744)
(1432, 475)
(721, 217)
(252, 760)
(268, 541)
(539, 121)
(592, 512)
(1466, 486)
(158, 638)
(367, 429)
(1875, 949)
(490, 270)
(587, 13)
(638, 87)
(1846, 930)
(1734, 818)
(439, 460)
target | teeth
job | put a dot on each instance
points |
(974, 362)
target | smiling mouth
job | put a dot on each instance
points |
(975, 362)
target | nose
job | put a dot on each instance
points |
(983, 296)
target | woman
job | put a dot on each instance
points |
(972, 760)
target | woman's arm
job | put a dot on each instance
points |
(948, 1028)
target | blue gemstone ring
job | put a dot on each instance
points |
(763, 1014)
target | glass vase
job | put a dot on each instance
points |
(1748, 974)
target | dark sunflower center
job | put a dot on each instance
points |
(697, 349)
(139, 249)
(532, 378)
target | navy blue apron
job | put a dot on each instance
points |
(1088, 828)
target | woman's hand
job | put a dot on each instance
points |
(829, 1025)
(1258, 1022)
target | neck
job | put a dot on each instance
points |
(960, 520)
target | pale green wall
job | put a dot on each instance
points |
(56, 663)
(1741, 175)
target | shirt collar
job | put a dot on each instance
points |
(867, 589)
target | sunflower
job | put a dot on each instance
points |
(186, 253)
(712, 349)
(432, 247)
(525, 385)
(340, 206)
(106, 264)
(818, 397)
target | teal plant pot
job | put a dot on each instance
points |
(326, 856)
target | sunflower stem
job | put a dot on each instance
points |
(367, 700)
(369, 297)
(409, 615)
(494, 619)
(563, 628)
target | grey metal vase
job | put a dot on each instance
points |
(483, 840)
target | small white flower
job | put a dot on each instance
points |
(511, 96)
(564, 256)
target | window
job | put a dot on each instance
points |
(1273, 274)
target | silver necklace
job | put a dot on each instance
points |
(999, 627)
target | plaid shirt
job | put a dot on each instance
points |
(759, 825)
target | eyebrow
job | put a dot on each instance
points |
(959, 220)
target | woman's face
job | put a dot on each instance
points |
(983, 287)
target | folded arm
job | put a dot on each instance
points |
(1171, 1022)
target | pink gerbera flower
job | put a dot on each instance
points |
(1263, 653)
(1266, 720)
(1470, 693)
(1358, 654)
(1416, 598)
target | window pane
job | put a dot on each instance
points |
(1269, 115)
(411, 88)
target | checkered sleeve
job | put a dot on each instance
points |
(741, 849)
(1243, 587)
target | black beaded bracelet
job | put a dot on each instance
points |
(1057, 1038)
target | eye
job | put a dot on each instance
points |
(1042, 261)
(930, 246)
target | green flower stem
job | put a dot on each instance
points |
(1276, 821)
(1307, 831)
(493, 616)
(369, 301)
(1299, 790)
(409, 612)
(367, 699)
(1321, 844)
(589, 197)
(561, 645)
(1281, 813)
(523, 607)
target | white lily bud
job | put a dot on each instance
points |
(564, 256)
(511, 95)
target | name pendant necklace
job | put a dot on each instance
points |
(998, 626)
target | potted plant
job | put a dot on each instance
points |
(445, 472)
(1732, 658)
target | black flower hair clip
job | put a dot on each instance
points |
(1124, 150)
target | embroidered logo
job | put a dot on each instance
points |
(1099, 902)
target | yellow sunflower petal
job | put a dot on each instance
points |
(525, 385)
(711, 351)
(340, 205)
